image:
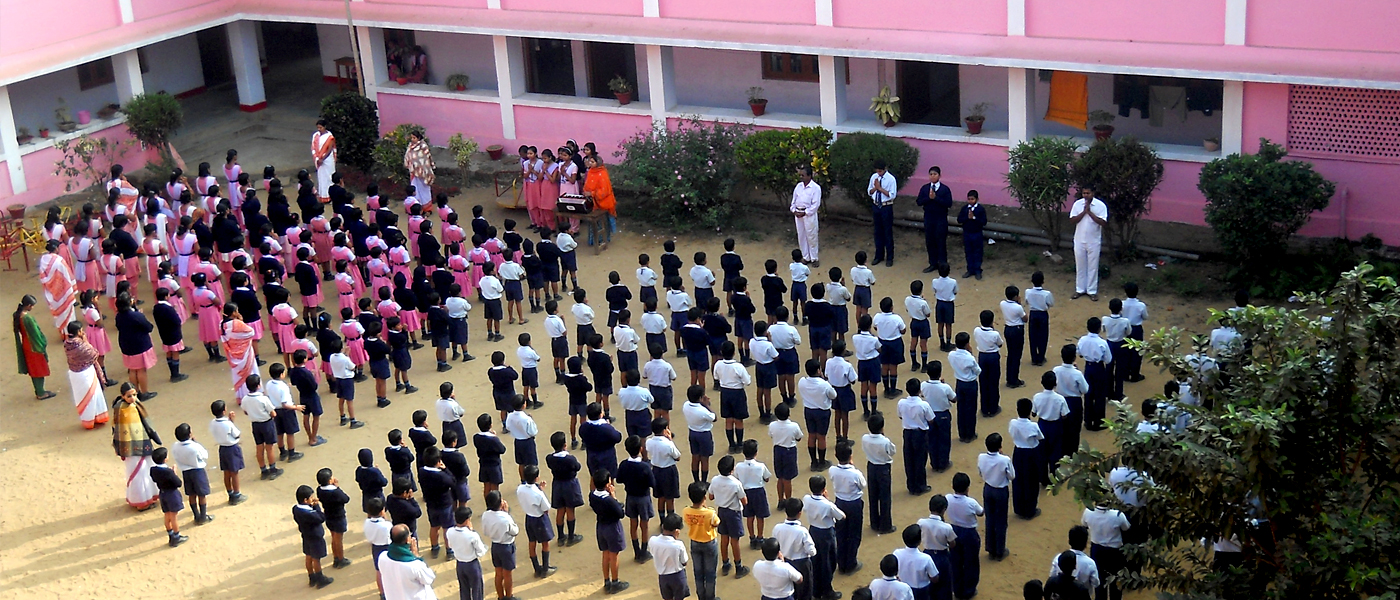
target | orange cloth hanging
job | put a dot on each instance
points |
(1069, 99)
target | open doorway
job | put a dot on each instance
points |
(928, 93)
(549, 66)
(214, 57)
(606, 61)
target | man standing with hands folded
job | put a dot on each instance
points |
(883, 188)
(1088, 238)
(806, 199)
(936, 199)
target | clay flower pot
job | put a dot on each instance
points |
(758, 107)
(495, 151)
(974, 124)
(1102, 132)
(624, 98)
(16, 210)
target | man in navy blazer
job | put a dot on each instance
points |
(936, 199)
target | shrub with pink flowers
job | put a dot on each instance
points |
(683, 176)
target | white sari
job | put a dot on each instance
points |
(141, 490)
(323, 150)
(59, 288)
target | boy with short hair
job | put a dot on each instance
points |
(838, 296)
(700, 422)
(538, 529)
(997, 474)
(226, 435)
(868, 368)
(773, 288)
(671, 559)
(733, 400)
(785, 339)
(754, 475)
(402, 507)
(939, 396)
(568, 257)
(285, 418)
(879, 454)
(310, 522)
(1116, 328)
(512, 278)
(653, 325)
(765, 371)
(1136, 312)
(663, 455)
(670, 261)
(577, 385)
(915, 416)
(636, 404)
(916, 568)
(703, 280)
(609, 530)
(377, 529)
(1038, 303)
(989, 343)
(617, 296)
(1026, 461)
(600, 364)
(332, 500)
(1071, 383)
(1014, 327)
(945, 293)
(646, 280)
(796, 545)
(701, 524)
(558, 333)
(785, 433)
(501, 529)
(400, 458)
(261, 411)
(938, 538)
(966, 371)
(625, 342)
(169, 483)
(863, 278)
(799, 272)
(962, 514)
(489, 449)
(889, 327)
(491, 290)
(919, 333)
(1051, 410)
(449, 411)
(457, 310)
(731, 265)
(819, 318)
(729, 498)
(696, 343)
(190, 459)
(680, 304)
(776, 578)
(566, 494)
(742, 309)
(439, 488)
(849, 485)
(600, 441)
(822, 518)
(889, 586)
(637, 480)
(659, 375)
(1098, 356)
(466, 546)
(529, 371)
(343, 371)
(817, 395)
(502, 378)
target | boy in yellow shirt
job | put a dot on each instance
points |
(701, 524)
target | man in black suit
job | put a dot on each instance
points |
(936, 199)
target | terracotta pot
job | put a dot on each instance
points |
(16, 210)
(495, 151)
(43, 132)
(624, 98)
(758, 107)
(402, 81)
(24, 139)
(1211, 145)
(1102, 132)
(974, 125)
(889, 123)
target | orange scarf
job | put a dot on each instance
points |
(599, 184)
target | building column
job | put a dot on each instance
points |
(126, 69)
(510, 79)
(1236, 13)
(580, 60)
(372, 59)
(831, 71)
(10, 145)
(1016, 17)
(1020, 98)
(247, 67)
(1232, 119)
(824, 13)
(661, 81)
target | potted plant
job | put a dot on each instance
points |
(495, 151)
(621, 88)
(16, 210)
(108, 111)
(23, 136)
(977, 115)
(63, 118)
(458, 82)
(1212, 144)
(1102, 123)
(757, 103)
(44, 132)
(886, 107)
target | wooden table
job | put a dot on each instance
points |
(347, 65)
(597, 225)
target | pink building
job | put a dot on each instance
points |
(1321, 78)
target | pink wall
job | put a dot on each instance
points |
(988, 18)
(1181, 21)
(5, 190)
(145, 9)
(801, 12)
(39, 165)
(549, 127)
(965, 167)
(602, 7)
(31, 23)
(443, 117)
(455, 3)
(1366, 25)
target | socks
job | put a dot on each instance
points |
(571, 528)
(704, 476)
(821, 454)
(544, 558)
(874, 405)
(534, 560)
(913, 357)
(923, 358)
(174, 367)
(739, 436)
(812, 452)
(865, 404)
(636, 547)
(695, 474)
(729, 435)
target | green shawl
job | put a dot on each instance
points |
(38, 344)
(402, 553)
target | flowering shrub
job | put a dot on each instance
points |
(389, 150)
(683, 176)
(770, 159)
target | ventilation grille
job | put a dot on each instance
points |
(1355, 123)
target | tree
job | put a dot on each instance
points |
(1255, 202)
(85, 161)
(1123, 173)
(153, 119)
(1292, 451)
(354, 119)
(684, 175)
(853, 159)
(1039, 178)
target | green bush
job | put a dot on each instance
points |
(1038, 178)
(684, 177)
(763, 159)
(1123, 173)
(389, 150)
(1255, 202)
(811, 147)
(853, 159)
(153, 119)
(354, 120)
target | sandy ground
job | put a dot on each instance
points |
(65, 530)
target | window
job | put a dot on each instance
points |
(549, 66)
(1353, 123)
(794, 67)
(100, 72)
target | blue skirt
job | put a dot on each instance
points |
(539, 529)
(845, 399)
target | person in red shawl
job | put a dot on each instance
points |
(239, 346)
(31, 347)
(598, 186)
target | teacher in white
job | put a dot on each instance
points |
(806, 199)
(323, 151)
(405, 575)
(1088, 240)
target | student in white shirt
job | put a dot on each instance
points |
(449, 411)
(945, 292)
(785, 339)
(728, 496)
(785, 433)
(663, 454)
(583, 320)
(842, 376)
(1106, 527)
(636, 404)
(670, 558)
(863, 279)
(879, 454)
(919, 331)
(868, 372)
(817, 395)
(962, 515)
(538, 528)
(754, 476)
(343, 371)
(1116, 328)
(190, 459)
(796, 545)
(889, 587)
(1038, 302)
(1013, 317)
(889, 327)
(625, 342)
(915, 416)
(1026, 461)
(529, 371)
(491, 290)
(558, 333)
(966, 372)
(285, 418)
(997, 473)
(776, 578)
(916, 568)
(659, 375)
(799, 273)
(1051, 410)
(261, 411)
(1086, 571)
(838, 297)
(512, 277)
(848, 484)
(822, 516)
(226, 436)
(653, 326)
(679, 303)
(1098, 357)
(699, 421)
(938, 538)
(1136, 312)
(733, 400)
(988, 343)
(703, 280)
(501, 529)
(467, 548)
(568, 259)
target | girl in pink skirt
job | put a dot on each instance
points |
(415, 224)
(344, 287)
(178, 297)
(379, 272)
(354, 334)
(549, 188)
(211, 274)
(84, 250)
(343, 252)
(308, 278)
(495, 247)
(283, 323)
(398, 261)
(478, 256)
(453, 236)
(461, 273)
(96, 331)
(207, 310)
(372, 203)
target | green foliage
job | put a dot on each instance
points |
(683, 176)
(763, 159)
(86, 161)
(457, 81)
(153, 118)
(1291, 449)
(811, 147)
(885, 105)
(853, 159)
(1038, 178)
(1255, 202)
(1124, 173)
(462, 149)
(354, 119)
(389, 150)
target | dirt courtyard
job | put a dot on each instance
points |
(66, 532)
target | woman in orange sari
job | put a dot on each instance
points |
(599, 187)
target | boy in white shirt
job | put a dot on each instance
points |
(512, 279)
(1038, 303)
(728, 496)
(285, 419)
(1026, 461)
(940, 398)
(190, 459)
(343, 371)
(754, 475)
(1136, 312)
(227, 436)
(699, 421)
(679, 304)
(822, 517)
(988, 342)
(776, 578)
(568, 257)
(491, 290)
(377, 530)
(938, 538)
(945, 292)
(501, 529)
(653, 325)
(1014, 327)
(915, 416)
(659, 375)
(879, 454)
(765, 370)
(838, 296)
(966, 372)
(646, 280)
(841, 375)
(997, 473)
(468, 549)
(625, 341)
(962, 515)
(538, 528)
(889, 327)
(583, 320)
(798, 292)
(529, 371)
(449, 411)
(785, 434)
(1052, 409)
(671, 558)
(863, 278)
(261, 411)
(703, 280)
(919, 332)
(663, 454)
(636, 404)
(817, 395)
(558, 333)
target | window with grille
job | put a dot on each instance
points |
(794, 67)
(1354, 123)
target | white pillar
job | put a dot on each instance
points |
(10, 145)
(510, 79)
(372, 59)
(1015, 17)
(824, 11)
(1232, 118)
(124, 7)
(1236, 12)
(661, 81)
(580, 60)
(651, 8)
(126, 69)
(1020, 98)
(247, 68)
(832, 72)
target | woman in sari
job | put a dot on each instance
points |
(84, 377)
(418, 159)
(238, 339)
(56, 275)
(323, 151)
(598, 186)
(31, 347)
(134, 445)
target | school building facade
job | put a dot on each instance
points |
(1198, 79)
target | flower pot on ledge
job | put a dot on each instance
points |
(758, 107)
(974, 125)
(1102, 132)
(495, 151)
(890, 122)
(623, 98)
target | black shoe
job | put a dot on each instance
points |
(219, 359)
(442, 366)
(889, 262)
(340, 563)
(978, 276)
(179, 378)
(468, 358)
(409, 389)
(382, 402)
(930, 269)
(724, 569)
(237, 498)
(294, 455)
(142, 397)
(967, 274)
(573, 444)
(323, 581)
(740, 572)
(545, 571)
(354, 424)
(179, 539)
(344, 420)
(202, 519)
(1015, 384)
(1136, 378)
(274, 473)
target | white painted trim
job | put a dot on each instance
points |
(833, 89)
(92, 128)
(933, 133)
(1232, 119)
(1016, 17)
(824, 13)
(1236, 15)
(126, 71)
(505, 93)
(128, 15)
(651, 8)
(10, 145)
(1019, 95)
(744, 116)
(493, 4)
(371, 44)
(660, 81)
(600, 105)
(423, 90)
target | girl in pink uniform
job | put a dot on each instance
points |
(206, 306)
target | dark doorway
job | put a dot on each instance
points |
(549, 66)
(606, 61)
(289, 42)
(928, 93)
(214, 56)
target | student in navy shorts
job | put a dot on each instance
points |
(565, 492)
(332, 500)
(576, 383)
(609, 529)
(702, 442)
(310, 520)
(820, 318)
(170, 501)
(370, 480)
(190, 457)
(696, 342)
(489, 450)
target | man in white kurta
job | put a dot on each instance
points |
(806, 199)
(405, 576)
(1089, 215)
(323, 151)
